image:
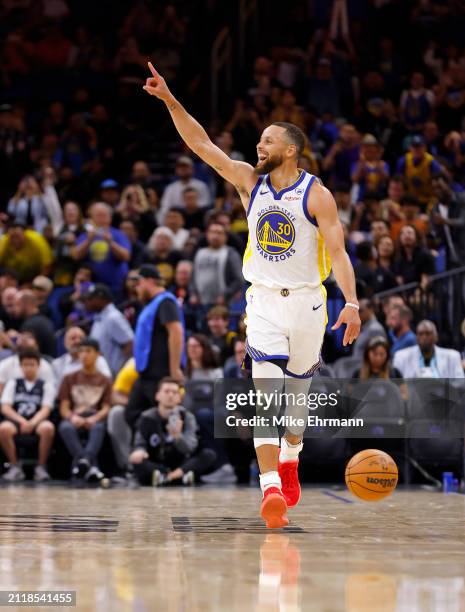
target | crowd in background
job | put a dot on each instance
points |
(85, 204)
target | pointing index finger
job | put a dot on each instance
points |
(152, 70)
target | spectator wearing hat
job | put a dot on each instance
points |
(418, 167)
(427, 359)
(70, 362)
(110, 327)
(42, 287)
(158, 341)
(85, 398)
(109, 192)
(172, 196)
(106, 249)
(370, 173)
(25, 251)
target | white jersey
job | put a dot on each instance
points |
(285, 248)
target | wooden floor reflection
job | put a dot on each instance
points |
(205, 549)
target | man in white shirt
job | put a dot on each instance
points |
(69, 362)
(426, 359)
(172, 196)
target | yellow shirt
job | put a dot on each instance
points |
(30, 260)
(126, 377)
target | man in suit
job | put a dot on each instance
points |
(426, 359)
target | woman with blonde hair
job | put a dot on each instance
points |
(134, 206)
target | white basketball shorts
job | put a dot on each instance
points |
(287, 324)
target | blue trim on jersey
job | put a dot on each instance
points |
(308, 374)
(304, 203)
(278, 195)
(261, 356)
(254, 193)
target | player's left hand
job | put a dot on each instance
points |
(350, 317)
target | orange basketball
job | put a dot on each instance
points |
(371, 475)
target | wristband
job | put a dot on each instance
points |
(356, 306)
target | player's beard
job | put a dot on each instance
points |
(268, 165)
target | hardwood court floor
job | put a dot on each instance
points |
(205, 549)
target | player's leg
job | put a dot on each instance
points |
(306, 331)
(269, 379)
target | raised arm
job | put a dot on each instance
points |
(322, 206)
(239, 173)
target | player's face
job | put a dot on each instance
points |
(271, 149)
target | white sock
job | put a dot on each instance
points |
(269, 479)
(289, 452)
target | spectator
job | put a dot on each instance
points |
(384, 275)
(85, 399)
(131, 306)
(371, 327)
(105, 249)
(193, 213)
(70, 362)
(427, 359)
(201, 360)
(110, 192)
(344, 206)
(448, 217)
(376, 362)
(413, 263)
(416, 103)
(162, 254)
(9, 309)
(109, 328)
(233, 365)
(66, 239)
(342, 156)
(28, 207)
(42, 287)
(365, 268)
(172, 196)
(129, 228)
(217, 276)
(25, 251)
(118, 429)
(166, 445)
(221, 337)
(175, 221)
(370, 173)
(27, 402)
(398, 324)
(418, 167)
(411, 215)
(391, 208)
(158, 341)
(134, 206)
(70, 302)
(35, 322)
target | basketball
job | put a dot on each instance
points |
(371, 475)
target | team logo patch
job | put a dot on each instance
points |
(275, 234)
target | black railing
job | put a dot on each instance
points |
(442, 300)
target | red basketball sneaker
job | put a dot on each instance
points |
(274, 508)
(289, 473)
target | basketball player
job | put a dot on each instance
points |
(294, 236)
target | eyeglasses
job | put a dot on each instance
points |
(134, 278)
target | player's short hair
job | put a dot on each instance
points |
(29, 353)
(294, 135)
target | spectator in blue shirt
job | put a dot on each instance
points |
(106, 249)
(398, 322)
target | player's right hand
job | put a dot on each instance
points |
(156, 85)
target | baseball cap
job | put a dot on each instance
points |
(90, 342)
(109, 184)
(98, 290)
(149, 271)
(184, 160)
(417, 141)
(43, 283)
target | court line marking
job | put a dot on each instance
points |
(331, 494)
